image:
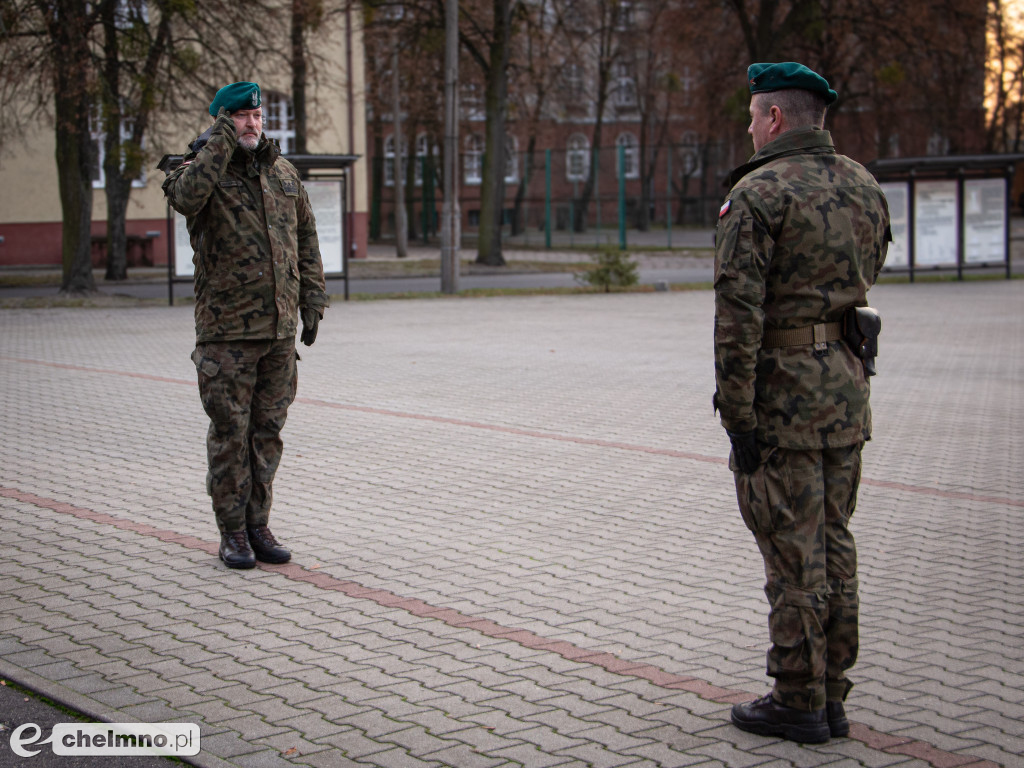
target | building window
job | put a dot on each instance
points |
(690, 154)
(624, 95)
(471, 101)
(473, 160)
(131, 12)
(511, 159)
(937, 145)
(630, 161)
(421, 157)
(573, 15)
(279, 120)
(98, 135)
(686, 85)
(572, 82)
(389, 160)
(577, 158)
(625, 16)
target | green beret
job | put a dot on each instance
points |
(236, 96)
(788, 74)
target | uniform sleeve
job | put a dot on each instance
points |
(743, 248)
(886, 238)
(312, 287)
(190, 185)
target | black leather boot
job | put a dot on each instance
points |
(235, 551)
(265, 546)
(767, 717)
(838, 725)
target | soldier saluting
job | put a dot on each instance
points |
(801, 238)
(257, 269)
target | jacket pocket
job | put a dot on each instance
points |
(228, 278)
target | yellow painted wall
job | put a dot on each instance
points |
(28, 174)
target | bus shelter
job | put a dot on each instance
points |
(326, 181)
(948, 213)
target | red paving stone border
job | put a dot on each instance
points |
(871, 738)
(597, 442)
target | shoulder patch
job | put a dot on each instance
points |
(290, 186)
(725, 208)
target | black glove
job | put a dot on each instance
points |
(310, 321)
(744, 448)
(204, 137)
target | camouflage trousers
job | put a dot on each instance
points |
(798, 505)
(246, 388)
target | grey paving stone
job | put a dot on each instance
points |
(529, 755)
(497, 457)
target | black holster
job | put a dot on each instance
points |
(861, 326)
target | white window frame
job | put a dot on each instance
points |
(423, 150)
(511, 160)
(625, 87)
(473, 160)
(690, 153)
(97, 134)
(937, 145)
(573, 82)
(471, 101)
(631, 156)
(625, 16)
(577, 157)
(279, 120)
(129, 10)
(686, 82)
(389, 159)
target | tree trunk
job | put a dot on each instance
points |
(117, 190)
(492, 191)
(411, 161)
(518, 220)
(605, 61)
(123, 155)
(401, 225)
(74, 152)
(299, 68)
(588, 186)
(377, 175)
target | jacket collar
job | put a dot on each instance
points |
(801, 141)
(264, 156)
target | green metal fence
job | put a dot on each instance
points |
(609, 197)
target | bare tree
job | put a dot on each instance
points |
(535, 73)
(488, 40)
(1005, 80)
(124, 107)
(107, 67)
(46, 64)
(606, 20)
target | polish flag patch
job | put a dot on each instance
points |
(724, 209)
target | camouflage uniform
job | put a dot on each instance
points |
(257, 262)
(801, 237)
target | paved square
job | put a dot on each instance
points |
(516, 540)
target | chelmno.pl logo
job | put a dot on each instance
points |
(164, 739)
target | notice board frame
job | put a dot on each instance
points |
(310, 168)
(939, 176)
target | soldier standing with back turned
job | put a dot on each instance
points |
(257, 269)
(801, 238)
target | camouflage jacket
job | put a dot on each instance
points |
(256, 253)
(801, 237)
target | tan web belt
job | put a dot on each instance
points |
(818, 334)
